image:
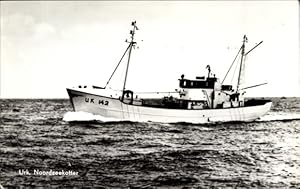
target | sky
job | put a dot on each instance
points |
(47, 46)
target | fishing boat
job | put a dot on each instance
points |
(201, 100)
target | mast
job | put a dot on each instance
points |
(131, 44)
(242, 62)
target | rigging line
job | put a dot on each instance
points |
(231, 65)
(254, 86)
(254, 47)
(234, 73)
(243, 79)
(155, 92)
(117, 66)
(129, 53)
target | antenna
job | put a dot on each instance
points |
(131, 44)
(209, 70)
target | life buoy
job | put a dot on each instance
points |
(128, 94)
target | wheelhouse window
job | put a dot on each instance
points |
(194, 84)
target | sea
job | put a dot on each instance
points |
(43, 144)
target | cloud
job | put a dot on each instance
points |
(16, 25)
(43, 30)
(82, 42)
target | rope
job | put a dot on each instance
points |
(231, 65)
(117, 66)
(234, 72)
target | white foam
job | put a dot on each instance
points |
(280, 116)
(84, 116)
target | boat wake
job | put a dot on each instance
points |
(279, 116)
(88, 117)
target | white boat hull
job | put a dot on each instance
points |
(114, 108)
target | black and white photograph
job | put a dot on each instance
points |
(150, 94)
